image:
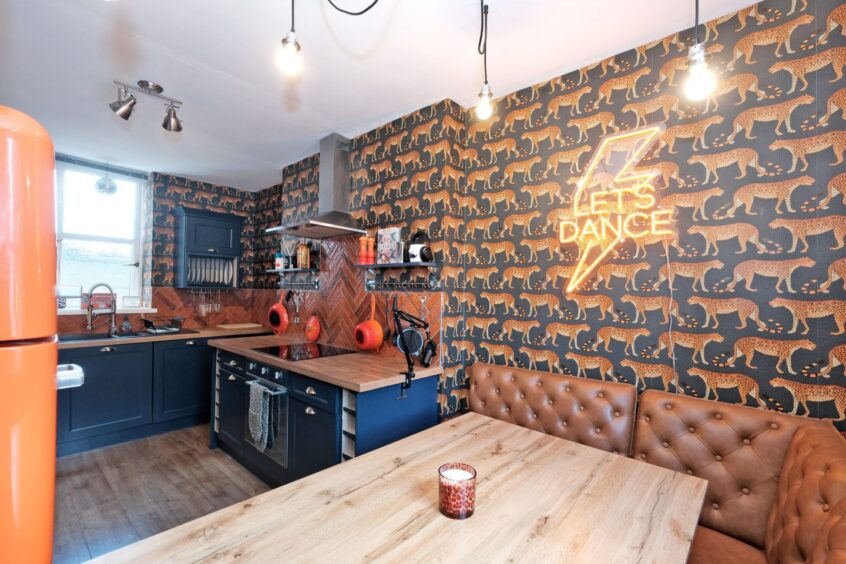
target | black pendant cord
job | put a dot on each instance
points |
(292, 15)
(696, 25)
(483, 37)
(349, 13)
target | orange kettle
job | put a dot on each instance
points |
(369, 334)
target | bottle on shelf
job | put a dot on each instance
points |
(303, 255)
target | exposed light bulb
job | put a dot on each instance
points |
(484, 109)
(700, 81)
(288, 57)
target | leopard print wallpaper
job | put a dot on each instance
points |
(757, 178)
(170, 192)
(755, 174)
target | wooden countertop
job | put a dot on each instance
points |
(359, 372)
(207, 333)
(538, 499)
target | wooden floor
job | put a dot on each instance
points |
(114, 496)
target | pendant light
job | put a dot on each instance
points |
(700, 81)
(106, 185)
(484, 109)
(288, 57)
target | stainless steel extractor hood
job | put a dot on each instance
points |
(333, 196)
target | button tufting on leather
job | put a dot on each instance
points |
(692, 429)
(747, 442)
(668, 406)
(522, 396)
(689, 471)
(825, 507)
(498, 392)
(507, 410)
(745, 491)
(715, 505)
(718, 416)
(643, 456)
(581, 408)
(600, 395)
(616, 414)
(597, 430)
(773, 425)
(718, 458)
(646, 418)
(567, 389)
(666, 444)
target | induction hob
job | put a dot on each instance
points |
(303, 351)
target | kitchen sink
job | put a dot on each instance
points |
(75, 337)
(72, 337)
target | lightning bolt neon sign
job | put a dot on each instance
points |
(614, 201)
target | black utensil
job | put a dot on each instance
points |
(387, 330)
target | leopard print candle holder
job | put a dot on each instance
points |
(457, 490)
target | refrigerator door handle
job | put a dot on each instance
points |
(69, 376)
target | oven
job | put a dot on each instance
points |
(266, 421)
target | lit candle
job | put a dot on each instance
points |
(457, 490)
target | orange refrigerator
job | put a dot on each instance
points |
(28, 349)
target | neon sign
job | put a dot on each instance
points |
(614, 201)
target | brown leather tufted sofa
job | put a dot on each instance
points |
(776, 483)
(590, 412)
(772, 478)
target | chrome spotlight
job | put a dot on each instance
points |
(171, 122)
(124, 105)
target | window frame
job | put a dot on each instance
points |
(136, 281)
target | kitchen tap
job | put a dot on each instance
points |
(90, 313)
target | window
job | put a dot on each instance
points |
(98, 234)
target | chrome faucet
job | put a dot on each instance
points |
(91, 315)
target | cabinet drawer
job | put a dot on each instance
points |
(321, 394)
(232, 362)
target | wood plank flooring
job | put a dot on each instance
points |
(114, 496)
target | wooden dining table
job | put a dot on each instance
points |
(539, 498)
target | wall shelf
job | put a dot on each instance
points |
(284, 271)
(398, 265)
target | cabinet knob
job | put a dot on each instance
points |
(252, 366)
(190, 343)
(232, 378)
(310, 391)
(264, 370)
(277, 375)
(232, 363)
(310, 411)
(212, 250)
(107, 349)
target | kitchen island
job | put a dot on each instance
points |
(315, 406)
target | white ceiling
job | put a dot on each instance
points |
(243, 120)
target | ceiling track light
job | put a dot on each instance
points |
(125, 104)
(485, 108)
(701, 82)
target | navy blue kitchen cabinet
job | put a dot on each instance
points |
(326, 423)
(181, 385)
(116, 395)
(315, 439)
(232, 410)
(204, 232)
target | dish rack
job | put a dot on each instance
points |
(210, 272)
